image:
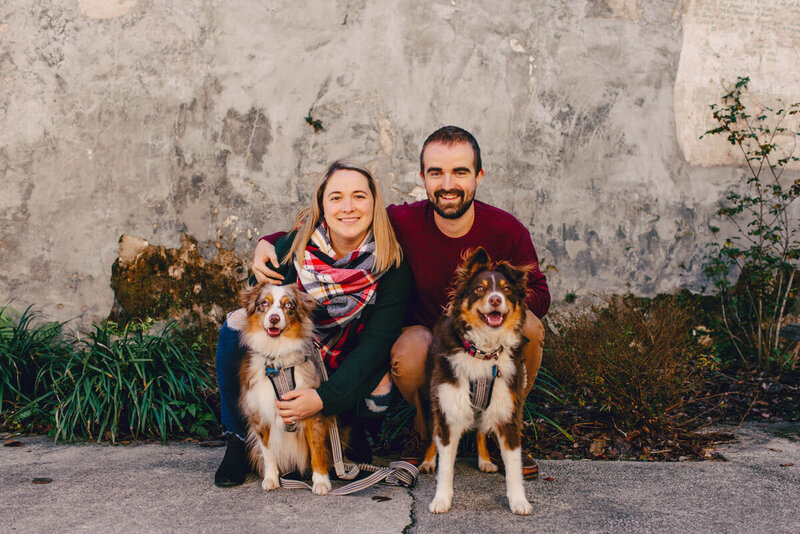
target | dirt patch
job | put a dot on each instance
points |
(194, 284)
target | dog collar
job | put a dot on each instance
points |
(475, 352)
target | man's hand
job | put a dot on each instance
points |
(265, 252)
(299, 404)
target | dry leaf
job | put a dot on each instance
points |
(42, 480)
(381, 498)
(12, 444)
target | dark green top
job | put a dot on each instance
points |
(363, 367)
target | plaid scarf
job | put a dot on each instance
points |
(342, 289)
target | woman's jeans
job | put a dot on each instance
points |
(229, 356)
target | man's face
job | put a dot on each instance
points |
(449, 178)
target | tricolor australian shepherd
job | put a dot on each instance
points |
(478, 343)
(276, 330)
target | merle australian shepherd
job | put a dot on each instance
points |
(479, 337)
(276, 332)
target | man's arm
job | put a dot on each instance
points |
(265, 255)
(538, 300)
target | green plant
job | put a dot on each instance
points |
(546, 387)
(24, 350)
(763, 252)
(633, 360)
(314, 123)
(124, 380)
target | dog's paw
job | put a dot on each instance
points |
(440, 504)
(428, 466)
(270, 483)
(520, 506)
(487, 466)
(321, 484)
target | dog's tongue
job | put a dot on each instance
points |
(494, 319)
(273, 332)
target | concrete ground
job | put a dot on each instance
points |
(154, 488)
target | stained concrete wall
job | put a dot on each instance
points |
(156, 118)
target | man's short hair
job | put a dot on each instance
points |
(451, 135)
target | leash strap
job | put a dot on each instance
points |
(397, 474)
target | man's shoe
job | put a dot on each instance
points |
(415, 449)
(529, 468)
(234, 467)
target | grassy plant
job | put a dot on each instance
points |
(130, 382)
(24, 350)
(546, 387)
(764, 251)
(634, 361)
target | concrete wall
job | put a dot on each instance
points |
(155, 118)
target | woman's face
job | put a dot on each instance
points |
(347, 205)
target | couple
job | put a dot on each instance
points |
(365, 264)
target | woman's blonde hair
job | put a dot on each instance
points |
(387, 250)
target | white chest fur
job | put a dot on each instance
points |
(454, 398)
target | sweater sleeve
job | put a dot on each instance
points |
(538, 300)
(273, 238)
(363, 368)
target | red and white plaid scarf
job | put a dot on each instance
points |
(342, 289)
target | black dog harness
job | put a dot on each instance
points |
(480, 391)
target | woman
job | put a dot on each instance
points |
(344, 232)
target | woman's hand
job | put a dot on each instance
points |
(265, 252)
(299, 404)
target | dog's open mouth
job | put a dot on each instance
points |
(274, 331)
(494, 319)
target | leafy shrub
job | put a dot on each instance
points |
(632, 359)
(24, 350)
(109, 382)
(763, 253)
(130, 382)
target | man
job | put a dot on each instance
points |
(434, 234)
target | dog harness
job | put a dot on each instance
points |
(282, 379)
(480, 391)
(397, 474)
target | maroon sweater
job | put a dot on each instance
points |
(434, 257)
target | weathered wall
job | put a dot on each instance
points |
(156, 118)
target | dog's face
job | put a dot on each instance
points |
(489, 294)
(278, 310)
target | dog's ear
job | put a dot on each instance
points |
(248, 297)
(518, 276)
(305, 303)
(473, 260)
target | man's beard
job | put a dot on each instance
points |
(453, 211)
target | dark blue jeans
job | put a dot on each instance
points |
(229, 355)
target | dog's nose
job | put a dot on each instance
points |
(274, 318)
(495, 301)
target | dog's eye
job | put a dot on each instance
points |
(479, 290)
(263, 305)
(288, 306)
(507, 289)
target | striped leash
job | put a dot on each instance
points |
(397, 474)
